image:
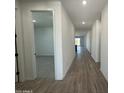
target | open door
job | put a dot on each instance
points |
(44, 43)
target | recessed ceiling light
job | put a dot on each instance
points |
(84, 2)
(33, 21)
(83, 22)
(49, 9)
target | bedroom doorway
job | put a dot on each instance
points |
(44, 43)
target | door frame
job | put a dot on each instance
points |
(34, 56)
(20, 44)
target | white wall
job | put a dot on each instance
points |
(19, 40)
(82, 41)
(28, 35)
(88, 41)
(44, 41)
(95, 45)
(104, 42)
(63, 38)
(68, 44)
(80, 33)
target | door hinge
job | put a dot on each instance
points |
(16, 54)
(17, 73)
(15, 35)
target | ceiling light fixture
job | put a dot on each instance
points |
(50, 9)
(83, 22)
(33, 21)
(84, 2)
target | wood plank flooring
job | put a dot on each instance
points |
(83, 77)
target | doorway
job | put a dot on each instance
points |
(77, 41)
(44, 43)
(79, 44)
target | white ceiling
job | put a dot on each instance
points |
(88, 13)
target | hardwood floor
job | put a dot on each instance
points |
(83, 77)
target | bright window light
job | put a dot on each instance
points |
(77, 41)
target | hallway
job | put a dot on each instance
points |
(83, 77)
